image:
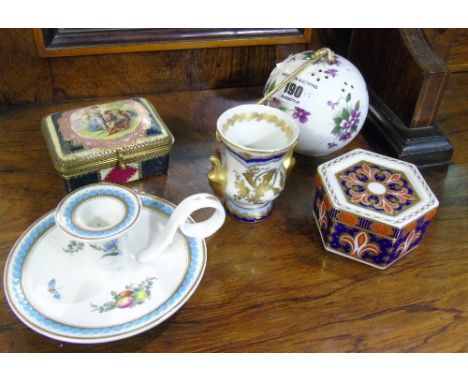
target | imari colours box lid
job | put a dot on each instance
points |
(104, 136)
(372, 208)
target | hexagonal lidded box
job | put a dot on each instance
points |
(372, 208)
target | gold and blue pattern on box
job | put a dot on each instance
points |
(372, 208)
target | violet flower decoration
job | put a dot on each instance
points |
(345, 136)
(336, 62)
(352, 121)
(332, 104)
(346, 124)
(349, 125)
(301, 114)
(355, 114)
(275, 102)
(331, 72)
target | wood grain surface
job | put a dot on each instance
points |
(451, 44)
(80, 42)
(408, 76)
(27, 78)
(267, 287)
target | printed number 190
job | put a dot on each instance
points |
(293, 89)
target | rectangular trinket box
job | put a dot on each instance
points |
(372, 208)
(116, 142)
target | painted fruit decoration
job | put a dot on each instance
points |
(133, 295)
(328, 100)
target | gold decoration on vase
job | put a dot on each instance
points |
(259, 183)
(258, 117)
(289, 161)
(217, 175)
(258, 142)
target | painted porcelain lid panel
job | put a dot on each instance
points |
(377, 187)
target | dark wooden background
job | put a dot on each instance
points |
(27, 78)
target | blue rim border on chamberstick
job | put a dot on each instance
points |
(130, 203)
(81, 334)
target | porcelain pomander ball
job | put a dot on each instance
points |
(328, 100)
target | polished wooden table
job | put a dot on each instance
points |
(267, 287)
